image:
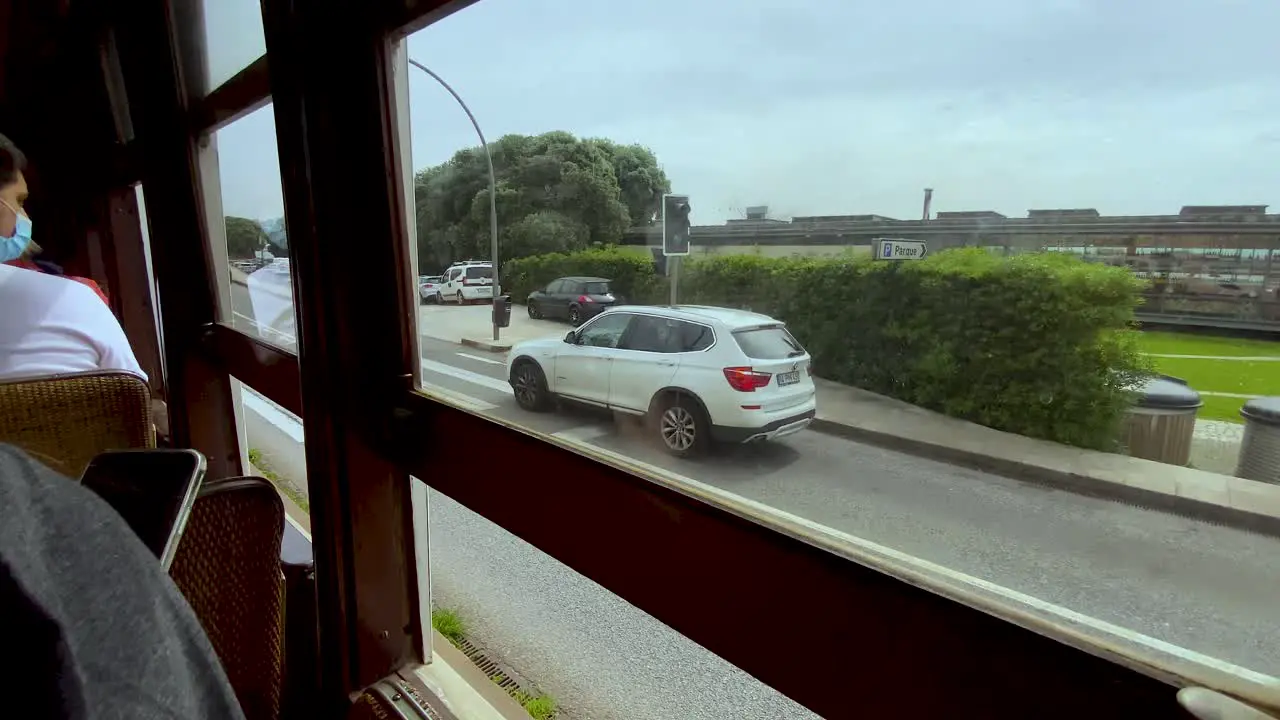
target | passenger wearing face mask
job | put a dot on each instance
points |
(48, 324)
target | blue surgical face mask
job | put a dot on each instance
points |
(12, 247)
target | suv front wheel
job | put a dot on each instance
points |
(530, 386)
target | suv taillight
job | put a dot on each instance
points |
(745, 379)
(585, 299)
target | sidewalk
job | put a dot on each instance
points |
(471, 325)
(868, 417)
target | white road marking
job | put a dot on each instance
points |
(1230, 395)
(870, 547)
(485, 381)
(454, 397)
(477, 358)
(583, 433)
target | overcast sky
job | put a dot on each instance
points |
(825, 107)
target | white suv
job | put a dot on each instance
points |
(465, 282)
(699, 374)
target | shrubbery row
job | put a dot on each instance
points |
(1037, 344)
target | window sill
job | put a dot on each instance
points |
(464, 688)
(451, 677)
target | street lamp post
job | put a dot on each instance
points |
(493, 187)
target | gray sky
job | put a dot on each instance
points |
(849, 106)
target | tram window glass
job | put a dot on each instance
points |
(231, 34)
(259, 288)
(769, 150)
(276, 449)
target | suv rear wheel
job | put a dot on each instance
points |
(682, 426)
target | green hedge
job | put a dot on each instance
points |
(631, 272)
(1037, 344)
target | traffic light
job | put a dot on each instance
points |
(675, 224)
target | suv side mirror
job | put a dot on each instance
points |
(571, 337)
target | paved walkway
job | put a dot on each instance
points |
(936, 435)
(454, 323)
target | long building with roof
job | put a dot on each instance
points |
(1208, 264)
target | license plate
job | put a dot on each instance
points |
(789, 378)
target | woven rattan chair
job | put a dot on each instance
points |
(228, 568)
(65, 420)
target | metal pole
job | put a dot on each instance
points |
(673, 267)
(493, 188)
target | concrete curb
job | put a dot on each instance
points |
(497, 698)
(487, 345)
(1057, 479)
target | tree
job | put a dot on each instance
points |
(277, 238)
(640, 180)
(544, 231)
(244, 237)
(556, 193)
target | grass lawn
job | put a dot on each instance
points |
(1225, 376)
(1168, 343)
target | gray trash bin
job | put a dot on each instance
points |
(1260, 449)
(1163, 421)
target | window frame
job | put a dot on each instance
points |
(699, 567)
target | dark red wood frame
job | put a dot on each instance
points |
(864, 643)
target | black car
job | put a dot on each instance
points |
(572, 298)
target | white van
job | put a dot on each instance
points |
(466, 282)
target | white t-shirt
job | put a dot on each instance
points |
(51, 325)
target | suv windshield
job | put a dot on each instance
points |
(768, 343)
(479, 272)
(596, 288)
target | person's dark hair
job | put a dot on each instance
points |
(12, 161)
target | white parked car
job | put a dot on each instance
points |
(698, 374)
(429, 288)
(466, 282)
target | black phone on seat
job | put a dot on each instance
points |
(153, 490)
